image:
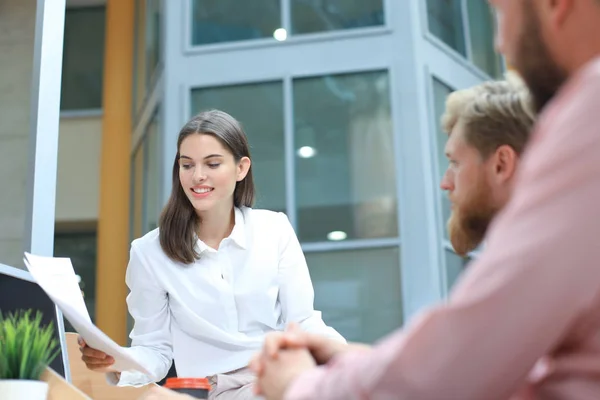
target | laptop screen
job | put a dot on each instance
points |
(18, 291)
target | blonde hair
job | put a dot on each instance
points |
(493, 114)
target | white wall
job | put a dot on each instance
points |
(78, 180)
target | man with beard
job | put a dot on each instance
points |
(524, 321)
(488, 127)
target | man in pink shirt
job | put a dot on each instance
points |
(524, 321)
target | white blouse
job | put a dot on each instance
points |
(212, 316)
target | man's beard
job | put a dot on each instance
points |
(533, 60)
(468, 223)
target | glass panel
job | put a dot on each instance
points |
(137, 186)
(147, 48)
(358, 291)
(259, 107)
(81, 248)
(345, 171)
(481, 25)
(151, 176)
(83, 56)
(445, 22)
(440, 92)
(139, 76)
(455, 265)
(217, 21)
(153, 53)
(316, 16)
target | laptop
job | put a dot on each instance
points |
(18, 291)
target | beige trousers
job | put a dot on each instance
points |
(234, 385)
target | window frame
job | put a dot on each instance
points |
(287, 81)
(439, 45)
(286, 19)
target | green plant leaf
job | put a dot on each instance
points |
(27, 346)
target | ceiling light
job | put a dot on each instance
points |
(307, 152)
(336, 236)
(280, 34)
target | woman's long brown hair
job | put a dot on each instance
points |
(178, 221)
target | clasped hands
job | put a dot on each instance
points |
(286, 355)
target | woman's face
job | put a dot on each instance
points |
(208, 172)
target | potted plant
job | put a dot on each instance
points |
(26, 349)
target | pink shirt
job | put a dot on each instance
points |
(524, 321)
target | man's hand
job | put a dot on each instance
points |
(320, 347)
(279, 373)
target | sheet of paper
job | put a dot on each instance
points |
(57, 277)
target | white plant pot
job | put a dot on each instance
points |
(20, 389)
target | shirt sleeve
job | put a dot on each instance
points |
(296, 293)
(148, 304)
(537, 279)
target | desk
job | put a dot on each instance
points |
(94, 384)
(59, 389)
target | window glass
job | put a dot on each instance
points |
(358, 291)
(83, 58)
(218, 21)
(345, 162)
(259, 108)
(309, 16)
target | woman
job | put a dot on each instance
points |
(217, 276)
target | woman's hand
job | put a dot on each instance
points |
(95, 360)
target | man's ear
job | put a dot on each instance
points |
(555, 12)
(242, 168)
(505, 162)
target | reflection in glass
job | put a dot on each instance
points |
(147, 48)
(445, 18)
(83, 58)
(151, 176)
(153, 31)
(139, 76)
(137, 193)
(481, 26)
(349, 184)
(309, 16)
(218, 21)
(145, 174)
(259, 108)
(455, 265)
(358, 291)
(80, 247)
(440, 92)
(446, 23)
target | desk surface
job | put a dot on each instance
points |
(94, 384)
(59, 389)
